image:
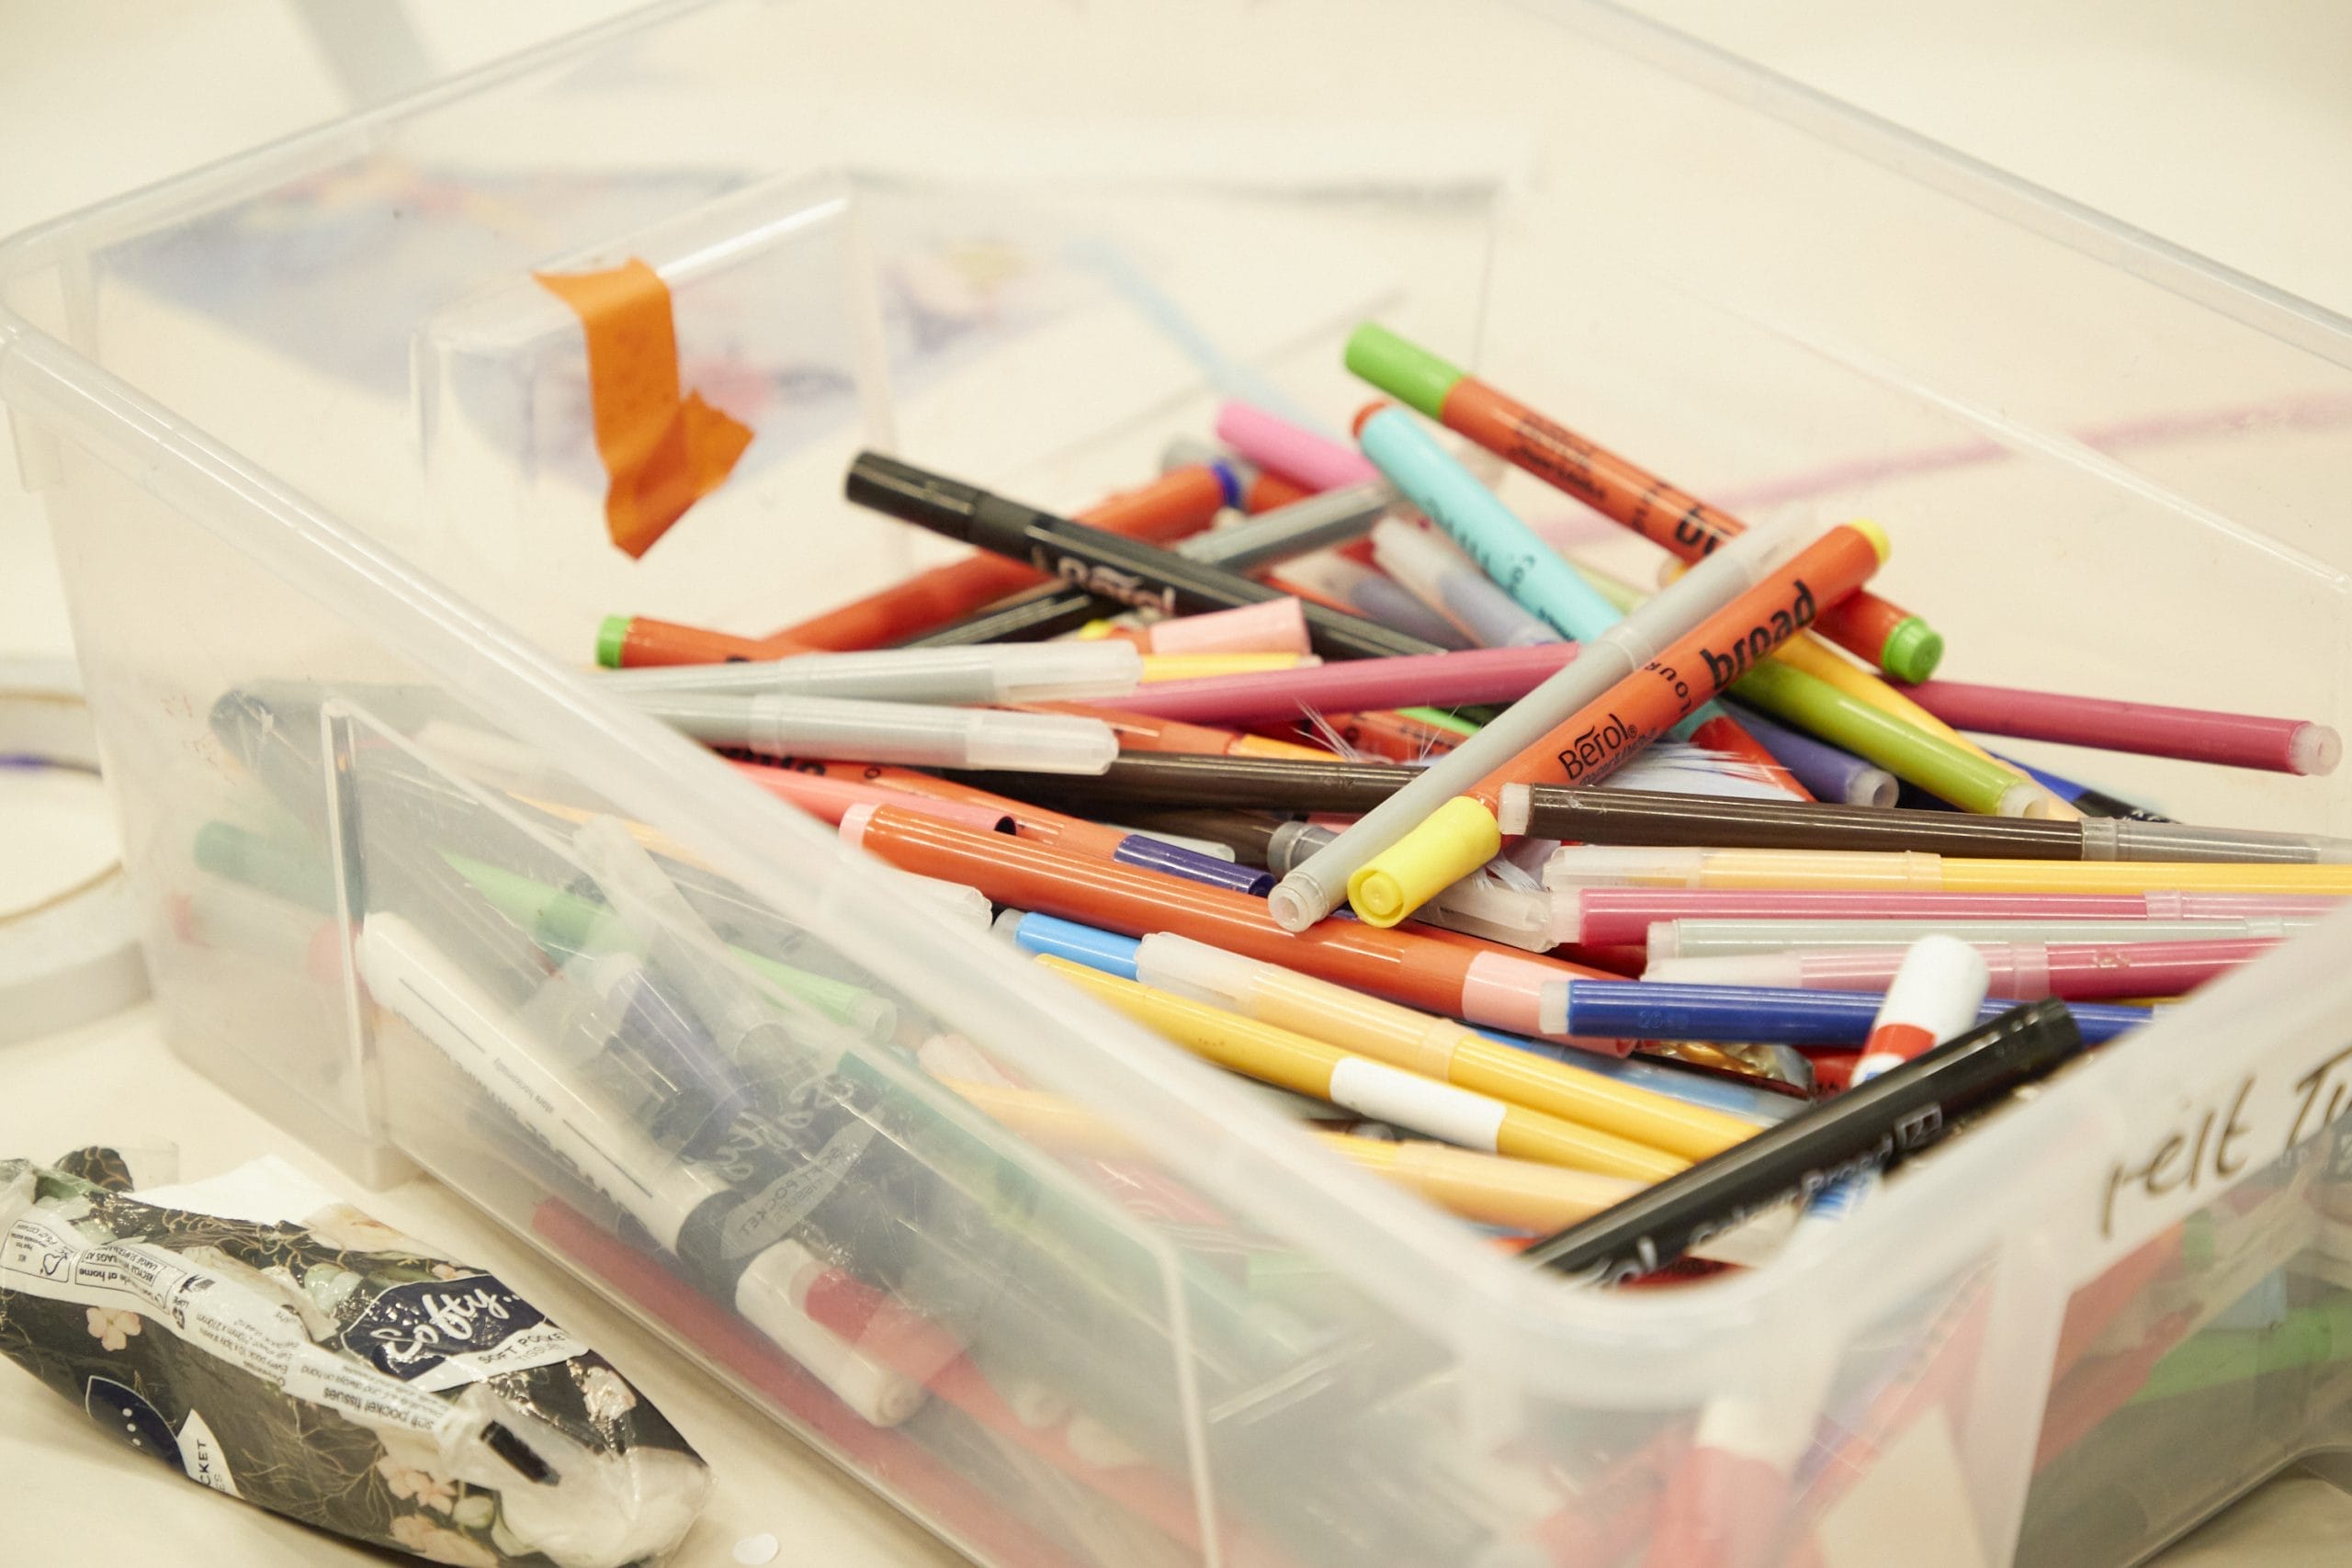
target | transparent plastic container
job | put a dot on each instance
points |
(312, 441)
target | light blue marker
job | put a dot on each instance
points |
(1095, 948)
(1490, 534)
(1506, 549)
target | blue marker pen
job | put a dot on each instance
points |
(1159, 854)
(2082, 797)
(1095, 948)
(1620, 1009)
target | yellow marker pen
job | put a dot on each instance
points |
(1512, 1194)
(1374, 1088)
(1438, 1048)
(1811, 653)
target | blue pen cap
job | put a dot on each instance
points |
(1095, 948)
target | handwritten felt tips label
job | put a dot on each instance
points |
(2237, 1125)
(662, 450)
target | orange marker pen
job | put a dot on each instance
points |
(1585, 748)
(1034, 823)
(1883, 634)
(1145, 732)
(1461, 978)
(1380, 732)
(1180, 502)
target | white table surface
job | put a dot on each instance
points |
(104, 94)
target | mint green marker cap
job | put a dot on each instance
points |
(1411, 375)
(614, 633)
(1912, 650)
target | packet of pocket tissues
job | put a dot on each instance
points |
(279, 1347)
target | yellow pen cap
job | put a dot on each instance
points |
(1452, 841)
(1875, 535)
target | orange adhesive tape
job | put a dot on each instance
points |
(663, 452)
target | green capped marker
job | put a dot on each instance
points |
(612, 637)
(1911, 650)
(1936, 765)
(1886, 634)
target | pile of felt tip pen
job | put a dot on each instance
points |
(1584, 915)
(1370, 795)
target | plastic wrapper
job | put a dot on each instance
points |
(283, 1349)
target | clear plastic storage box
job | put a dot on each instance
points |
(318, 456)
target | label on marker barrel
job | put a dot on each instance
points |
(1387, 1094)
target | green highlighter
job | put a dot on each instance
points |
(1936, 765)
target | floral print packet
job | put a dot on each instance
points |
(278, 1347)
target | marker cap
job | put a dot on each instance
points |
(1412, 375)
(967, 904)
(1291, 843)
(2026, 798)
(2123, 838)
(612, 636)
(2314, 749)
(1785, 970)
(1508, 990)
(1278, 625)
(1195, 969)
(1938, 987)
(1097, 949)
(1482, 905)
(1059, 671)
(890, 732)
(1517, 804)
(1567, 916)
(1451, 842)
(1912, 650)
(1869, 530)
(1313, 460)
(766, 1295)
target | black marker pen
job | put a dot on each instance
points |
(1105, 565)
(1870, 1127)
